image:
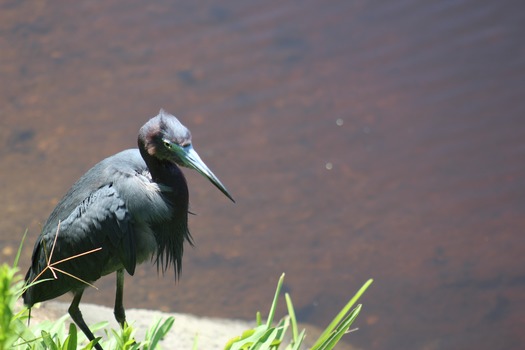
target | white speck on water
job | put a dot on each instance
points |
(339, 122)
(329, 166)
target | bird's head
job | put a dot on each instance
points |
(165, 138)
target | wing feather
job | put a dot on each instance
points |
(100, 221)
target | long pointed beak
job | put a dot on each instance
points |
(192, 160)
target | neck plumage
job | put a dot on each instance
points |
(171, 233)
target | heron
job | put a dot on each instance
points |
(129, 208)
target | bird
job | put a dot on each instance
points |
(129, 208)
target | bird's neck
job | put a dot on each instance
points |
(165, 172)
(173, 231)
(169, 174)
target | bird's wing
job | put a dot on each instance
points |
(100, 221)
(104, 216)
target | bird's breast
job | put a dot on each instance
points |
(145, 199)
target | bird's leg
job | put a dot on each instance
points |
(120, 314)
(76, 315)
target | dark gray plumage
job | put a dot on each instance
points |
(133, 205)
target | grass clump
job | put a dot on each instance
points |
(268, 336)
(15, 334)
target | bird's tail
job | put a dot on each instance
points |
(29, 316)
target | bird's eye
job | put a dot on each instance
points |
(167, 143)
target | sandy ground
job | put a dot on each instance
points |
(211, 333)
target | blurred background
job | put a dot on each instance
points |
(360, 140)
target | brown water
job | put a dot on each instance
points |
(360, 139)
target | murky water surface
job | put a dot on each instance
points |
(360, 139)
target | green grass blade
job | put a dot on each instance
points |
(283, 327)
(71, 340)
(340, 330)
(158, 331)
(48, 341)
(269, 339)
(271, 314)
(19, 252)
(195, 342)
(324, 336)
(249, 338)
(293, 320)
(302, 335)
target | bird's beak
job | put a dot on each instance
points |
(191, 159)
